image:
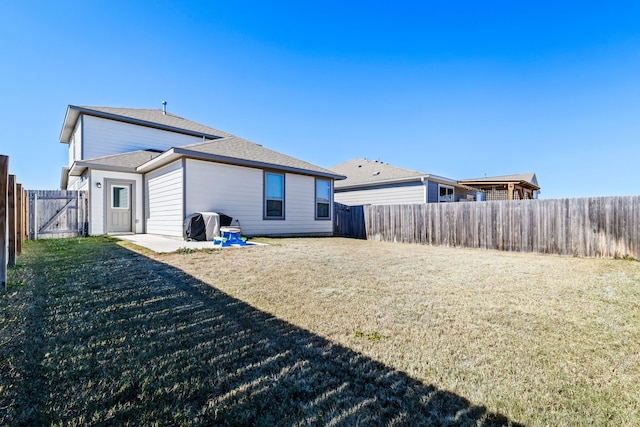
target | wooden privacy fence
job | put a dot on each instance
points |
(348, 221)
(607, 227)
(57, 214)
(35, 214)
(12, 219)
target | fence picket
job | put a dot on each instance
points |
(4, 218)
(591, 227)
(56, 213)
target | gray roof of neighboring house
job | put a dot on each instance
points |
(363, 172)
(139, 116)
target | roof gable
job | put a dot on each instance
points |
(219, 146)
(140, 116)
(239, 151)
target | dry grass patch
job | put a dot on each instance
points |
(317, 332)
(99, 335)
(545, 340)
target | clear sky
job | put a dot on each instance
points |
(460, 89)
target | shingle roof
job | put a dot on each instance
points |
(243, 150)
(139, 116)
(362, 171)
(220, 146)
(126, 160)
(122, 162)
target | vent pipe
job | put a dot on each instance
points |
(164, 107)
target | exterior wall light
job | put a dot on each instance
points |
(99, 184)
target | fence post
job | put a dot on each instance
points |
(35, 215)
(78, 213)
(11, 217)
(19, 218)
(28, 215)
(25, 217)
(4, 180)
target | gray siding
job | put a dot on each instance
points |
(73, 183)
(72, 152)
(238, 192)
(75, 143)
(164, 214)
(433, 192)
(407, 193)
(103, 137)
(458, 192)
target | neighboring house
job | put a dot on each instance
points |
(371, 182)
(146, 170)
(506, 187)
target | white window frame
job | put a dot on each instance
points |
(113, 199)
(317, 201)
(448, 197)
(265, 211)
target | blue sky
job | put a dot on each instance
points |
(457, 89)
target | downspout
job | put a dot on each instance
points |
(426, 190)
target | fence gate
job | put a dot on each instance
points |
(57, 214)
(349, 221)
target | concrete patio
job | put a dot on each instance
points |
(164, 244)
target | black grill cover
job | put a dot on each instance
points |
(225, 220)
(195, 229)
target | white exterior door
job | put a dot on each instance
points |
(119, 207)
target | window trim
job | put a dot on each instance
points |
(448, 187)
(315, 199)
(264, 196)
(113, 198)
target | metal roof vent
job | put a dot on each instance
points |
(164, 107)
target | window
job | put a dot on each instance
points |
(323, 199)
(120, 199)
(273, 195)
(446, 193)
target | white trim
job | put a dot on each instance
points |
(125, 187)
(108, 183)
(448, 187)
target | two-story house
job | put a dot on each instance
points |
(146, 170)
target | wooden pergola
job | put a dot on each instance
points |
(506, 187)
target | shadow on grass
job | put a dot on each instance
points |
(116, 338)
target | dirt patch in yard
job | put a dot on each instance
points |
(546, 340)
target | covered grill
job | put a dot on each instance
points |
(204, 226)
